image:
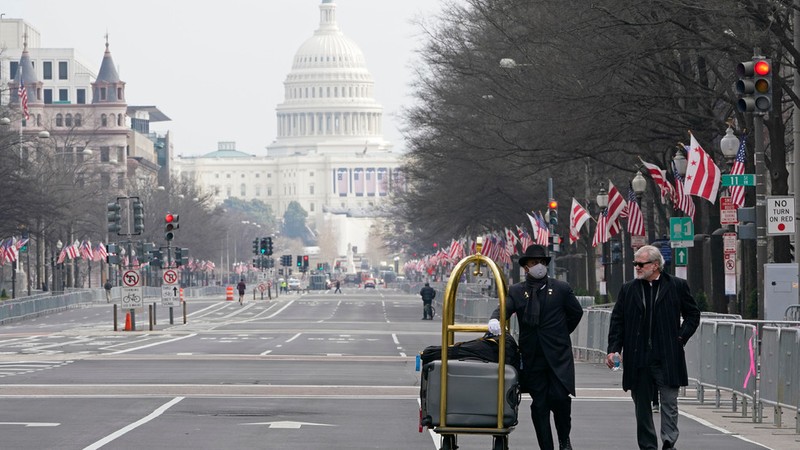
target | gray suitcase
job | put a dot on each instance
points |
(471, 394)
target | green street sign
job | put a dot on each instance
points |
(681, 256)
(681, 229)
(745, 179)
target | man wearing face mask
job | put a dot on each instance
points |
(547, 312)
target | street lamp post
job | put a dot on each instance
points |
(729, 144)
(57, 273)
(639, 186)
(602, 202)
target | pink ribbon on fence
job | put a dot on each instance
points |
(752, 370)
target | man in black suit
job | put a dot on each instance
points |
(548, 312)
(653, 318)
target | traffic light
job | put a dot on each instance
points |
(138, 217)
(320, 267)
(305, 261)
(299, 261)
(114, 218)
(255, 246)
(269, 246)
(755, 85)
(170, 225)
(552, 207)
(112, 252)
(262, 248)
(181, 256)
(156, 259)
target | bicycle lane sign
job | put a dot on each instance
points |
(131, 290)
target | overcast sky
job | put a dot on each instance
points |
(217, 68)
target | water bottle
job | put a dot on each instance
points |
(617, 360)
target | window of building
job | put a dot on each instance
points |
(258, 191)
(120, 117)
(63, 95)
(258, 175)
(14, 68)
(228, 176)
(119, 94)
(242, 175)
(103, 120)
(47, 70)
(120, 180)
(243, 190)
(62, 70)
(105, 180)
(59, 120)
(102, 93)
(81, 96)
(311, 207)
(78, 122)
(48, 96)
(311, 189)
(269, 175)
(104, 154)
(216, 176)
(228, 191)
(269, 192)
(68, 120)
(120, 154)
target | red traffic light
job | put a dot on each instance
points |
(762, 68)
(169, 218)
(552, 204)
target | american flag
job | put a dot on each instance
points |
(23, 97)
(702, 175)
(682, 201)
(543, 233)
(62, 255)
(456, 251)
(737, 192)
(21, 242)
(577, 217)
(659, 179)
(100, 252)
(616, 203)
(524, 239)
(10, 252)
(635, 217)
(601, 232)
(86, 250)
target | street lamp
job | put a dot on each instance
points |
(639, 185)
(680, 162)
(509, 63)
(57, 279)
(729, 144)
(602, 202)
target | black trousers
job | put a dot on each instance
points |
(426, 309)
(548, 395)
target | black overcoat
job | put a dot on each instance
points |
(674, 301)
(560, 314)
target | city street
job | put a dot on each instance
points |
(315, 370)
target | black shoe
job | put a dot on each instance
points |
(564, 445)
(424, 318)
(668, 445)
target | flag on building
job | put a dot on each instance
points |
(737, 192)
(577, 217)
(702, 175)
(635, 217)
(23, 96)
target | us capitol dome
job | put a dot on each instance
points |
(329, 105)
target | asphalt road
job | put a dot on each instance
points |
(317, 370)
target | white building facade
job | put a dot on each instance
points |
(329, 154)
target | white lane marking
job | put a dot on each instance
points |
(239, 311)
(394, 338)
(32, 424)
(721, 430)
(280, 310)
(265, 353)
(212, 309)
(134, 425)
(119, 352)
(293, 337)
(289, 425)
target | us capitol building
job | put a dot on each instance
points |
(329, 154)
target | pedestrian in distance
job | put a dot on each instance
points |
(547, 311)
(107, 286)
(242, 288)
(428, 294)
(653, 318)
(338, 287)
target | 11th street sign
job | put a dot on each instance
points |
(745, 179)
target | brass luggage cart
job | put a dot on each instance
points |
(449, 328)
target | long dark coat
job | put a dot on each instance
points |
(560, 314)
(674, 301)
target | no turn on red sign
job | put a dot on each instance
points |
(780, 215)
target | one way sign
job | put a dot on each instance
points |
(170, 295)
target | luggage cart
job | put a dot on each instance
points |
(501, 431)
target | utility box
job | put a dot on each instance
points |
(780, 289)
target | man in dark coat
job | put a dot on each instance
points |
(548, 312)
(428, 294)
(646, 328)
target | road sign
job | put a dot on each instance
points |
(638, 241)
(681, 244)
(745, 179)
(130, 278)
(729, 243)
(170, 295)
(170, 276)
(131, 295)
(681, 229)
(780, 215)
(681, 256)
(727, 211)
(262, 287)
(730, 263)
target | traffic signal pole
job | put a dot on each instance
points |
(761, 210)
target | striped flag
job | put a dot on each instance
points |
(540, 231)
(73, 250)
(601, 232)
(616, 203)
(635, 217)
(681, 200)
(23, 96)
(737, 192)
(10, 251)
(702, 175)
(86, 250)
(100, 253)
(524, 239)
(577, 217)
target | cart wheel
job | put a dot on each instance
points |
(449, 442)
(500, 442)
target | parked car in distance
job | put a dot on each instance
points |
(369, 283)
(294, 284)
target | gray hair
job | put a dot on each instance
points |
(653, 254)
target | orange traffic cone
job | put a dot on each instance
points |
(229, 293)
(128, 326)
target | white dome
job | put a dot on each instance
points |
(328, 50)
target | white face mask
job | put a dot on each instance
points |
(538, 271)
